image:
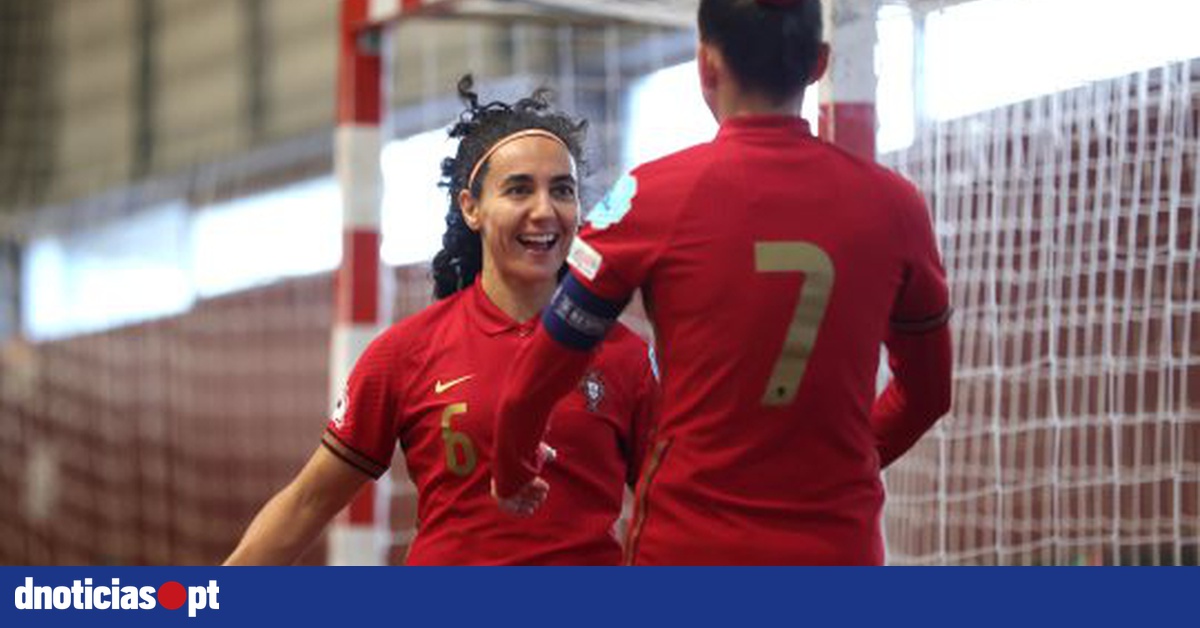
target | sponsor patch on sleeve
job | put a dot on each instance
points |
(339, 409)
(615, 205)
(585, 259)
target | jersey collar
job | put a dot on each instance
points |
(491, 320)
(741, 126)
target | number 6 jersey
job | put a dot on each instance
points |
(772, 265)
(429, 383)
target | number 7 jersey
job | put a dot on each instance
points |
(772, 266)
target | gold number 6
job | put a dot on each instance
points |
(456, 441)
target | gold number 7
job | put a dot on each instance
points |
(809, 259)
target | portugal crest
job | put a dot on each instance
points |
(593, 390)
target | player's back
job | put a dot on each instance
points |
(770, 299)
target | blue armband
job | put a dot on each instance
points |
(577, 318)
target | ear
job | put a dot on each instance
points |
(470, 209)
(710, 66)
(822, 64)
(707, 62)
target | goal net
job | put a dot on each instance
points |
(1068, 225)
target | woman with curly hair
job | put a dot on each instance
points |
(430, 381)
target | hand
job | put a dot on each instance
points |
(526, 500)
(530, 497)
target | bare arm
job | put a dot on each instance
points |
(289, 522)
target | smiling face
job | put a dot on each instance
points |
(527, 211)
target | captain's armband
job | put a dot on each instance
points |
(578, 319)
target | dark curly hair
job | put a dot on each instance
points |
(772, 47)
(478, 128)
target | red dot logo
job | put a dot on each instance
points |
(171, 595)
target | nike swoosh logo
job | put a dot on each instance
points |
(439, 387)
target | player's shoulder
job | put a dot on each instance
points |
(682, 163)
(880, 177)
(659, 185)
(663, 184)
(414, 333)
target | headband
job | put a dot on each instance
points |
(508, 139)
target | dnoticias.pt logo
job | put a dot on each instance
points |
(115, 596)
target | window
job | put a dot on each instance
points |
(292, 231)
(667, 113)
(158, 262)
(414, 207)
(117, 274)
(988, 53)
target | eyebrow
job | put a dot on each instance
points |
(525, 178)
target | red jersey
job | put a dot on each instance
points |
(772, 266)
(430, 383)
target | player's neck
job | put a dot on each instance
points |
(737, 104)
(520, 300)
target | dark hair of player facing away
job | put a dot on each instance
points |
(771, 48)
(478, 128)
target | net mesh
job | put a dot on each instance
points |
(1069, 231)
(151, 444)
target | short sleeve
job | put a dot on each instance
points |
(923, 301)
(362, 430)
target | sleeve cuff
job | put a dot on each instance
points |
(352, 457)
(924, 325)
